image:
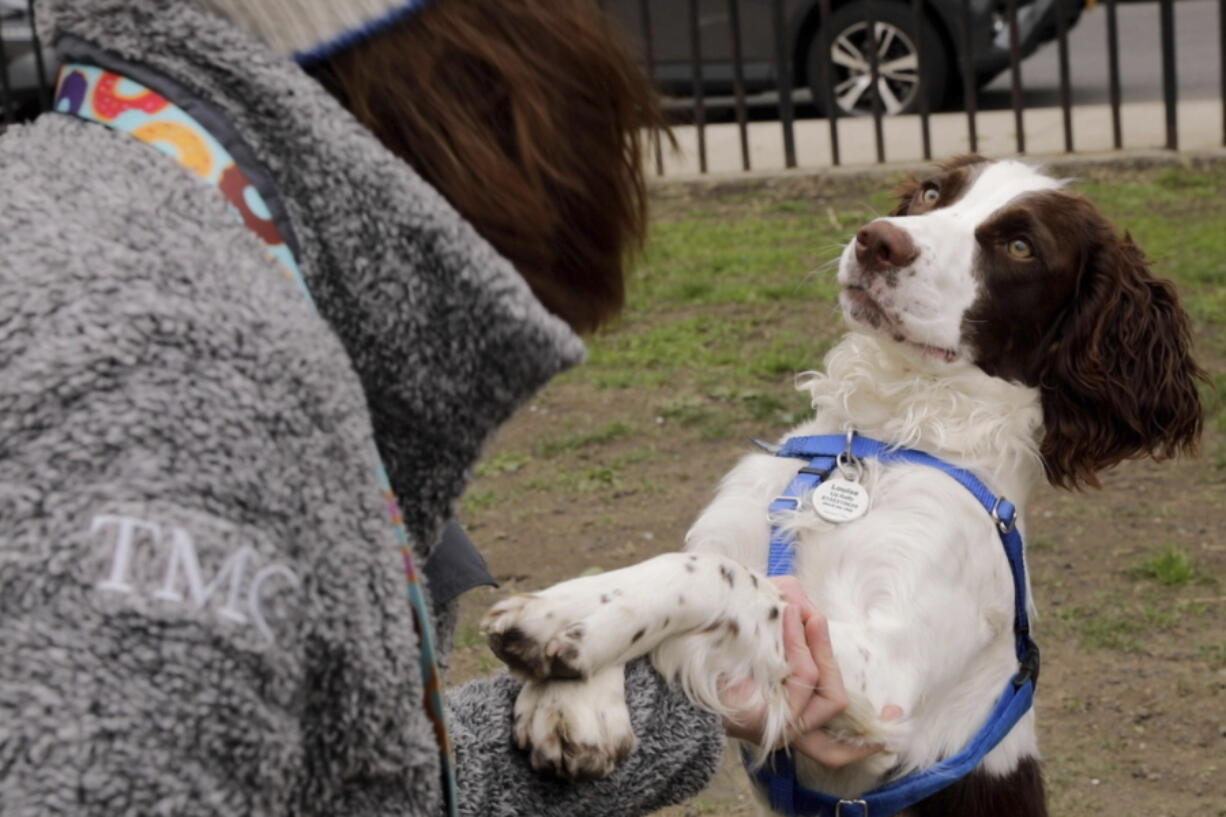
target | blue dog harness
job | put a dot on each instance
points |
(827, 454)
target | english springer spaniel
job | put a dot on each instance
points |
(998, 323)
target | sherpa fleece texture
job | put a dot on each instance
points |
(202, 611)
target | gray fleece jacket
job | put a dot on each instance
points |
(202, 608)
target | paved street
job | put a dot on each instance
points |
(1197, 54)
(1200, 111)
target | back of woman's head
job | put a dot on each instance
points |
(529, 117)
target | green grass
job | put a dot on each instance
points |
(740, 289)
(582, 481)
(480, 499)
(507, 462)
(735, 295)
(1108, 624)
(586, 439)
(469, 636)
(1171, 567)
(1213, 395)
(1214, 654)
(722, 297)
(719, 260)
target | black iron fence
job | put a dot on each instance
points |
(24, 70)
(856, 62)
(762, 65)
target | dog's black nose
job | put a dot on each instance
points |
(881, 246)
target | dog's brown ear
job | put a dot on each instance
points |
(1119, 380)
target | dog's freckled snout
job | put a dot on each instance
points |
(882, 246)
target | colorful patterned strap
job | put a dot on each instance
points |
(102, 96)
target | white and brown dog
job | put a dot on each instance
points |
(1000, 324)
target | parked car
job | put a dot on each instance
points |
(845, 40)
(19, 69)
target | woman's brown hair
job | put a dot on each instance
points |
(529, 116)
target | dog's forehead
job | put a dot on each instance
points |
(995, 186)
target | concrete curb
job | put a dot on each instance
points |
(834, 182)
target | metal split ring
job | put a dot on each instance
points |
(850, 466)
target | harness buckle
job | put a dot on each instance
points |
(859, 804)
(1002, 525)
(795, 500)
(817, 472)
(1030, 666)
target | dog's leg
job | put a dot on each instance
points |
(725, 619)
(576, 628)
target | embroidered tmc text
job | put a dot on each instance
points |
(183, 582)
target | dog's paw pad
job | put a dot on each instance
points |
(520, 652)
(537, 637)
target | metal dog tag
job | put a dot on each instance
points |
(839, 500)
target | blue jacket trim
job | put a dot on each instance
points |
(350, 38)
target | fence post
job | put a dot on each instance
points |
(921, 87)
(1221, 88)
(1015, 70)
(828, 98)
(6, 91)
(1113, 74)
(1066, 92)
(700, 112)
(44, 90)
(783, 64)
(1166, 24)
(874, 77)
(969, 100)
(738, 79)
(650, 56)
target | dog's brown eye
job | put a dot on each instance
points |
(930, 194)
(1020, 248)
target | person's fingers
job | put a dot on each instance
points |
(814, 707)
(816, 691)
(803, 675)
(830, 678)
(794, 636)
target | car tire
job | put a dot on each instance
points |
(843, 39)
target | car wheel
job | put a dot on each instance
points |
(845, 41)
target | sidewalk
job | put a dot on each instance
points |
(1143, 124)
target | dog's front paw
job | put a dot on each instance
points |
(537, 637)
(578, 730)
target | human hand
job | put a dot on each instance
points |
(815, 687)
